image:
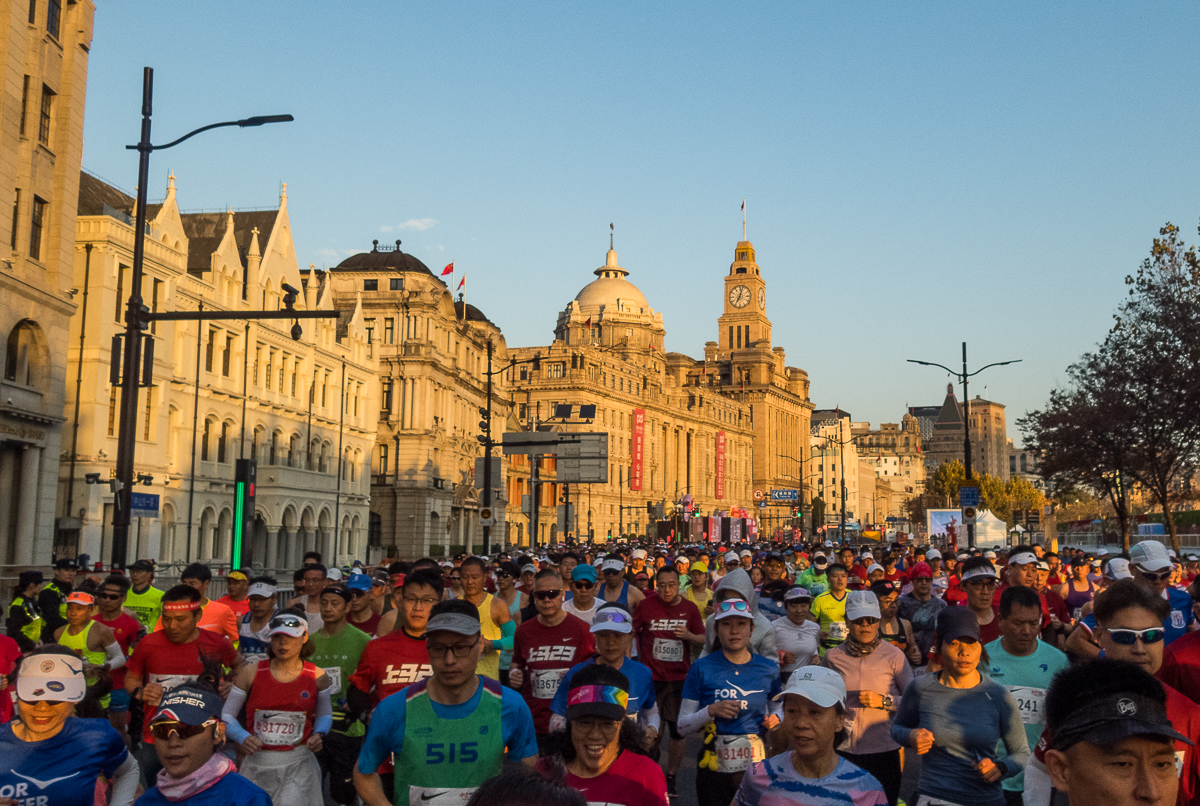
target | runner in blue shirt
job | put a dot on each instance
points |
(731, 689)
(50, 756)
(613, 628)
(437, 729)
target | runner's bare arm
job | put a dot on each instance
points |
(370, 788)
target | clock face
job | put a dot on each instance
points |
(739, 296)
(762, 299)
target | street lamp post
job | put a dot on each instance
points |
(963, 377)
(138, 319)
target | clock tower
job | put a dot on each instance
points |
(744, 322)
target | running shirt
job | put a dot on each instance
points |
(798, 638)
(369, 626)
(714, 678)
(585, 616)
(545, 655)
(389, 734)
(1076, 599)
(232, 789)
(253, 644)
(700, 601)
(214, 617)
(631, 780)
(239, 608)
(10, 653)
(489, 662)
(654, 624)
(145, 606)
(831, 612)
(641, 687)
(775, 782)
(156, 659)
(390, 663)
(338, 657)
(278, 714)
(1026, 678)
(128, 631)
(62, 770)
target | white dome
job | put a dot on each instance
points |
(611, 289)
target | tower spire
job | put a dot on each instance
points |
(610, 236)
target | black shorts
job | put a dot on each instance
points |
(668, 694)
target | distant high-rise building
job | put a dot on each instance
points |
(989, 436)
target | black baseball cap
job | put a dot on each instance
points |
(954, 623)
(142, 565)
(64, 564)
(1115, 717)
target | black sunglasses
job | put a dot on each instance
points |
(546, 596)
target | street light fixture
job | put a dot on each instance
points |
(138, 317)
(963, 378)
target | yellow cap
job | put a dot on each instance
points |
(699, 566)
(236, 575)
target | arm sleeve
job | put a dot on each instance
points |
(507, 630)
(908, 715)
(114, 656)
(1015, 740)
(648, 717)
(324, 716)
(692, 717)
(125, 782)
(237, 698)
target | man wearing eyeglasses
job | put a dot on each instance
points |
(1129, 627)
(545, 648)
(443, 734)
(1024, 665)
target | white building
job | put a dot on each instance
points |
(304, 409)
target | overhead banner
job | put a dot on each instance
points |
(719, 479)
(639, 443)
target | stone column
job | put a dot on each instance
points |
(8, 491)
(327, 545)
(31, 464)
(272, 548)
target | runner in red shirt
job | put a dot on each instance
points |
(361, 615)
(178, 653)
(390, 663)
(238, 585)
(128, 631)
(545, 648)
(665, 625)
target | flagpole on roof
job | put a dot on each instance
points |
(743, 219)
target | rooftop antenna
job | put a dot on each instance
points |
(743, 219)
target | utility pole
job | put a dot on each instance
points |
(488, 444)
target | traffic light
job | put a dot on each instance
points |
(485, 426)
(245, 474)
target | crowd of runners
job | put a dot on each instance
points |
(808, 674)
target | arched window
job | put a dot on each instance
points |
(274, 448)
(222, 441)
(292, 451)
(204, 440)
(19, 358)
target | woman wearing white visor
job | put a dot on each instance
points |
(289, 710)
(51, 756)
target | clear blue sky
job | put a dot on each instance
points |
(917, 174)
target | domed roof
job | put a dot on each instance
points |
(610, 288)
(383, 259)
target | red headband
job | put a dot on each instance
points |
(179, 607)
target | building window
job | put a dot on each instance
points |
(383, 461)
(16, 218)
(112, 411)
(389, 331)
(44, 124)
(204, 440)
(387, 396)
(53, 16)
(556, 370)
(370, 325)
(222, 441)
(270, 368)
(226, 356)
(146, 426)
(370, 285)
(32, 12)
(17, 357)
(208, 351)
(274, 449)
(396, 284)
(36, 224)
(24, 103)
(293, 380)
(120, 292)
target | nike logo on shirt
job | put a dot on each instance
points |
(44, 784)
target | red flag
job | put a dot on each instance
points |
(588, 323)
(449, 269)
(743, 204)
(461, 283)
(652, 347)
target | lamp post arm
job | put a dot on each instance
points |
(940, 366)
(997, 364)
(257, 120)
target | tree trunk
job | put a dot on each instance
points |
(1172, 529)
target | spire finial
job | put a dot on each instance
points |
(610, 236)
(743, 219)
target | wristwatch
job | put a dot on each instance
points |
(887, 702)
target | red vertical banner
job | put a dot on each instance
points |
(639, 444)
(719, 481)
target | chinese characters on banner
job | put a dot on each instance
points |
(639, 443)
(719, 480)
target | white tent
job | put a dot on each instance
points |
(990, 531)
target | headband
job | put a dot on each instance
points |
(607, 695)
(180, 607)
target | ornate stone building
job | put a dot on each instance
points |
(989, 436)
(432, 356)
(44, 48)
(714, 429)
(222, 390)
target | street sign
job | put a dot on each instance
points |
(582, 470)
(592, 445)
(968, 496)
(758, 495)
(497, 473)
(525, 504)
(762, 504)
(785, 495)
(566, 518)
(143, 505)
(968, 515)
(487, 517)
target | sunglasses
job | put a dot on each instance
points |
(504, 574)
(1129, 637)
(163, 730)
(614, 617)
(108, 596)
(1149, 577)
(288, 621)
(865, 621)
(737, 605)
(581, 584)
(546, 596)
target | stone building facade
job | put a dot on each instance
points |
(432, 358)
(222, 390)
(989, 436)
(44, 48)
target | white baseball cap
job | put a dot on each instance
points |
(334, 574)
(1023, 558)
(51, 677)
(933, 554)
(873, 567)
(991, 555)
(731, 557)
(983, 571)
(818, 685)
(860, 604)
(747, 553)
(639, 554)
(1118, 568)
(612, 564)
(1149, 555)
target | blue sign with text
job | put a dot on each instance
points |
(143, 505)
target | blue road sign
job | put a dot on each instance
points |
(143, 505)
(968, 496)
(785, 495)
